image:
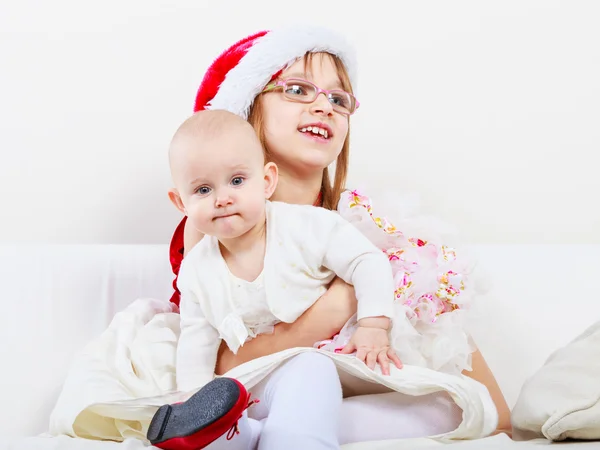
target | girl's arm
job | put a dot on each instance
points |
(321, 321)
(481, 372)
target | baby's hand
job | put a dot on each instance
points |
(372, 346)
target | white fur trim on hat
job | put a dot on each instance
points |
(271, 53)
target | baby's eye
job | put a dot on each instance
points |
(203, 190)
(237, 181)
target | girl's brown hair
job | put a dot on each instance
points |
(330, 192)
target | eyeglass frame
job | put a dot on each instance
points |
(281, 83)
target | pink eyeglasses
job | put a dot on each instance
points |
(302, 91)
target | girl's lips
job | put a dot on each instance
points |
(321, 125)
(315, 137)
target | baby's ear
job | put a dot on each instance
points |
(271, 178)
(176, 200)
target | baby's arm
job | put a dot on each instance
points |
(197, 347)
(354, 258)
(357, 261)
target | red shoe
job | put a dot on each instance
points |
(203, 418)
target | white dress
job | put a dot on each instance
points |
(433, 291)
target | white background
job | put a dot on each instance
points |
(489, 111)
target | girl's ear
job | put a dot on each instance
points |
(271, 178)
(176, 200)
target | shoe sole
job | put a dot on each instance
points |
(205, 407)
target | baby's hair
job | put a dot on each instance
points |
(209, 125)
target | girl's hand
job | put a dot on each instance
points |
(372, 346)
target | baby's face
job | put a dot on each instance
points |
(222, 184)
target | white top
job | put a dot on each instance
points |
(306, 248)
(250, 301)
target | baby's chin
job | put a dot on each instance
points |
(230, 227)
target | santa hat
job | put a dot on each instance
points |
(242, 71)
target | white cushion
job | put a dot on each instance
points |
(562, 400)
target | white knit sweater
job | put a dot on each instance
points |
(306, 248)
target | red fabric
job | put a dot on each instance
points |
(177, 248)
(220, 67)
(176, 256)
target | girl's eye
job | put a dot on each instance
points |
(203, 190)
(237, 181)
(298, 89)
(295, 90)
(339, 99)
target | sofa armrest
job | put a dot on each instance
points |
(56, 299)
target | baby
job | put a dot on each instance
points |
(261, 262)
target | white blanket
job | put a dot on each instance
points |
(498, 442)
(116, 384)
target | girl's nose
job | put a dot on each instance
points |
(321, 105)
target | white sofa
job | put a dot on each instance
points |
(56, 298)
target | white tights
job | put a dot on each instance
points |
(301, 407)
(397, 416)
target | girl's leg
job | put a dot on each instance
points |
(301, 403)
(396, 416)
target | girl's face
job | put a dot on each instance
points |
(290, 143)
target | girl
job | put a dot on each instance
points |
(236, 81)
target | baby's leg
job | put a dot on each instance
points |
(301, 402)
(246, 439)
(396, 416)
